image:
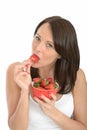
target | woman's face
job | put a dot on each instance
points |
(43, 46)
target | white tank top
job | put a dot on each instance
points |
(39, 121)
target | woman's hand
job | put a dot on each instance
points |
(48, 105)
(22, 75)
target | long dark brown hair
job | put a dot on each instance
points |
(66, 44)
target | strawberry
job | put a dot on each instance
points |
(50, 79)
(34, 58)
(50, 86)
(36, 85)
(44, 87)
(36, 80)
(44, 83)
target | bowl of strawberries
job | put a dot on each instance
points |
(44, 87)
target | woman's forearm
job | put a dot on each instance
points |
(19, 120)
(67, 123)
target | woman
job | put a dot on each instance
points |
(55, 43)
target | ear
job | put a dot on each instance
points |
(58, 56)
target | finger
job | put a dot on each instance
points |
(27, 65)
(18, 68)
(43, 104)
(53, 97)
(38, 101)
(27, 62)
(22, 67)
(28, 69)
(47, 100)
(23, 77)
(20, 73)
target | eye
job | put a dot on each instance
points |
(36, 37)
(49, 45)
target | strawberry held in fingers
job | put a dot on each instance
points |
(34, 58)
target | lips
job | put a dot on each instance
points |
(34, 58)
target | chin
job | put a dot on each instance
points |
(35, 66)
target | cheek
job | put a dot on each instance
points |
(49, 57)
(33, 46)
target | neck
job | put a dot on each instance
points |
(46, 72)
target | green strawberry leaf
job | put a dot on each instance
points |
(36, 85)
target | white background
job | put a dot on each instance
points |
(18, 19)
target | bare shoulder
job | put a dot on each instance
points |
(11, 67)
(81, 83)
(81, 74)
(80, 80)
(10, 77)
(80, 97)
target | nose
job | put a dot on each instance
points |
(39, 47)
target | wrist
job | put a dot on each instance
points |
(25, 91)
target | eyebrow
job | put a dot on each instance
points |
(47, 41)
(37, 34)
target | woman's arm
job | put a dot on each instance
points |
(80, 99)
(80, 107)
(17, 98)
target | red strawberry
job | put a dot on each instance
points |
(40, 87)
(36, 80)
(44, 83)
(47, 84)
(34, 58)
(49, 79)
(50, 86)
